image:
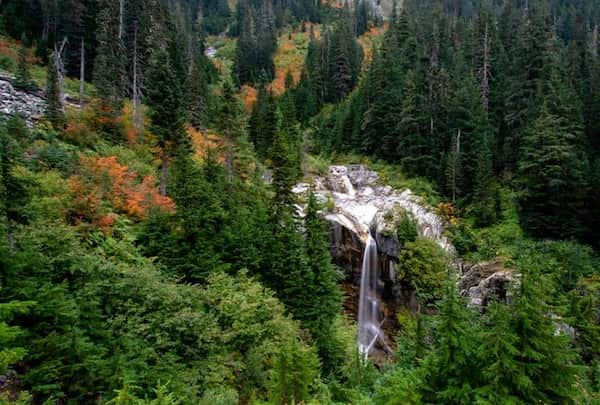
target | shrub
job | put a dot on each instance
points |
(407, 229)
(424, 266)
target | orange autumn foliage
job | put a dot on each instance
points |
(106, 180)
(248, 95)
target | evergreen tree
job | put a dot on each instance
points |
(325, 303)
(544, 357)
(285, 162)
(551, 164)
(14, 189)
(54, 105)
(452, 372)
(231, 125)
(498, 355)
(262, 122)
(109, 68)
(345, 57)
(9, 353)
(163, 98)
(23, 78)
(197, 104)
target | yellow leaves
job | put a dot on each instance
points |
(447, 211)
(206, 143)
(368, 41)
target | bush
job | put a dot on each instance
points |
(407, 229)
(424, 266)
(7, 64)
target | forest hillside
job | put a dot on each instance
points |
(282, 202)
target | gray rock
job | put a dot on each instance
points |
(29, 105)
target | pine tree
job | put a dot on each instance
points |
(14, 190)
(9, 353)
(263, 122)
(285, 161)
(197, 103)
(231, 125)
(109, 68)
(544, 357)
(325, 302)
(23, 79)
(551, 163)
(54, 105)
(163, 98)
(451, 367)
(498, 355)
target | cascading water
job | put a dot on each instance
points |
(369, 311)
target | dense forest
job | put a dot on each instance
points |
(153, 249)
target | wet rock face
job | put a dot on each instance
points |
(29, 105)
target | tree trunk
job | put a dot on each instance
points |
(229, 160)
(164, 161)
(136, 98)
(199, 16)
(594, 44)
(121, 7)
(59, 66)
(10, 236)
(485, 81)
(81, 74)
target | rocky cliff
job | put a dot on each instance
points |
(28, 104)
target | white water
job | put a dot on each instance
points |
(369, 312)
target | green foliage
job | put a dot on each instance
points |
(23, 79)
(406, 229)
(9, 353)
(399, 386)
(423, 265)
(294, 372)
(451, 372)
(54, 104)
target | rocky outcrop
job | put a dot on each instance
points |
(29, 105)
(482, 282)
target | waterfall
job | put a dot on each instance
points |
(348, 186)
(369, 312)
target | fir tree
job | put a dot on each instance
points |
(263, 122)
(163, 97)
(231, 125)
(544, 357)
(498, 355)
(551, 164)
(325, 303)
(109, 70)
(54, 105)
(23, 79)
(14, 189)
(451, 367)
